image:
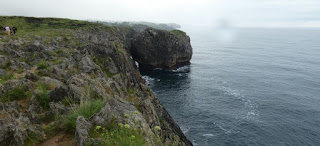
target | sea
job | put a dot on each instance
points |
(246, 87)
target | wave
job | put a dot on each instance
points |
(251, 108)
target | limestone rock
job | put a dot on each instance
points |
(59, 93)
(82, 128)
(31, 76)
(161, 49)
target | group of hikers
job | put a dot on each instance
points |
(8, 30)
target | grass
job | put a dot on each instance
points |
(85, 109)
(131, 90)
(178, 33)
(6, 66)
(42, 96)
(56, 61)
(31, 139)
(50, 27)
(16, 93)
(90, 103)
(5, 78)
(100, 62)
(117, 135)
(42, 65)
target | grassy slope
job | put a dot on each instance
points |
(31, 24)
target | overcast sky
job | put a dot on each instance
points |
(271, 13)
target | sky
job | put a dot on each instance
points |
(240, 13)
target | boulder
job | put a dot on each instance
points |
(58, 94)
(31, 76)
(82, 128)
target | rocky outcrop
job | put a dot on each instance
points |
(161, 49)
(82, 129)
(43, 79)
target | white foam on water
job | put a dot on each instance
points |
(148, 79)
(194, 142)
(225, 130)
(181, 69)
(208, 135)
(185, 130)
(250, 107)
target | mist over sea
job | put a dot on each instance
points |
(246, 86)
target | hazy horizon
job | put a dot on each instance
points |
(247, 13)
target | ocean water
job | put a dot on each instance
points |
(258, 86)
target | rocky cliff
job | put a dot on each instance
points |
(161, 49)
(67, 82)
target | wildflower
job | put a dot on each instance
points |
(121, 125)
(126, 115)
(136, 112)
(98, 127)
(127, 126)
(157, 128)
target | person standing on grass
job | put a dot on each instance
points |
(8, 29)
(14, 30)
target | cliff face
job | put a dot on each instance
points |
(81, 80)
(161, 49)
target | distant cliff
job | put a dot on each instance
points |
(72, 82)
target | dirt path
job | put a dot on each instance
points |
(61, 139)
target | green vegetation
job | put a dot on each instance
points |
(56, 61)
(42, 65)
(86, 109)
(6, 66)
(42, 26)
(117, 135)
(31, 27)
(2, 53)
(59, 51)
(178, 33)
(16, 93)
(32, 139)
(131, 90)
(99, 61)
(5, 78)
(42, 96)
(143, 24)
(91, 103)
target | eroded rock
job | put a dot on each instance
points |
(161, 49)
